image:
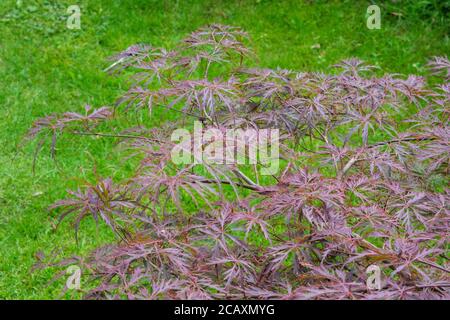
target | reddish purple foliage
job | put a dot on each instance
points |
(356, 187)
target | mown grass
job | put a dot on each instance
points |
(46, 68)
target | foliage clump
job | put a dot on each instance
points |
(358, 152)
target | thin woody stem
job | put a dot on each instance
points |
(355, 159)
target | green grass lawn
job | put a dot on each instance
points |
(46, 68)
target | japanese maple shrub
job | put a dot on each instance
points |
(360, 154)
